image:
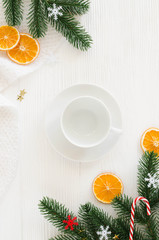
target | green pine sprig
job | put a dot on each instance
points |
(153, 223)
(72, 31)
(67, 25)
(13, 11)
(122, 205)
(93, 217)
(73, 7)
(149, 163)
(123, 228)
(55, 213)
(37, 18)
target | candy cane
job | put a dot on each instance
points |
(133, 213)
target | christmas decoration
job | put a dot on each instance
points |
(59, 13)
(70, 222)
(133, 214)
(22, 92)
(54, 11)
(116, 237)
(91, 218)
(20, 97)
(152, 180)
(103, 233)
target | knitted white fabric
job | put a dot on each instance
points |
(10, 71)
(9, 135)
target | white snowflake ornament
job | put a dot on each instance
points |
(54, 11)
(152, 180)
(103, 233)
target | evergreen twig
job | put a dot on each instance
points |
(123, 227)
(55, 213)
(149, 163)
(72, 31)
(13, 11)
(153, 223)
(73, 7)
(122, 205)
(37, 18)
(93, 217)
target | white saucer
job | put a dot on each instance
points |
(57, 138)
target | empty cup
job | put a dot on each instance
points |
(85, 122)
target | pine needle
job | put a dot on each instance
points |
(13, 11)
(37, 18)
(72, 31)
(74, 7)
(149, 163)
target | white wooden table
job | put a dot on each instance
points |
(125, 60)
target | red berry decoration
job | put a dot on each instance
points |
(70, 222)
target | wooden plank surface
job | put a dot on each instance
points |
(125, 60)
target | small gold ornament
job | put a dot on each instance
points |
(20, 97)
(22, 92)
(116, 237)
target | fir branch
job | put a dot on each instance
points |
(74, 7)
(93, 218)
(72, 31)
(149, 163)
(155, 198)
(153, 222)
(124, 228)
(13, 12)
(55, 213)
(37, 18)
(122, 205)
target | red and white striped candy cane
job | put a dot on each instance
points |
(133, 213)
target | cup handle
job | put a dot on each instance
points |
(116, 130)
(114, 134)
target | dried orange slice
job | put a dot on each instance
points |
(150, 140)
(106, 187)
(26, 51)
(9, 37)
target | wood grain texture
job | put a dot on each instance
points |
(125, 60)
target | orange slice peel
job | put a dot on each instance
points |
(150, 140)
(9, 38)
(26, 51)
(106, 187)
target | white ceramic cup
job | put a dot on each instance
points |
(86, 122)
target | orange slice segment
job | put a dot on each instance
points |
(26, 51)
(9, 37)
(150, 140)
(106, 187)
